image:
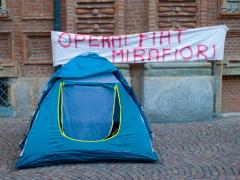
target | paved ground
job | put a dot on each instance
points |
(207, 150)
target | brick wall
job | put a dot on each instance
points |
(136, 16)
(231, 94)
(25, 31)
(37, 17)
(175, 15)
(63, 15)
(231, 84)
(232, 48)
(25, 38)
(5, 47)
(95, 18)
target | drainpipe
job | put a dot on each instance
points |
(56, 21)
(56, 15)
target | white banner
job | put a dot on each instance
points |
(198, 44)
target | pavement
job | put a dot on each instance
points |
(203, 150)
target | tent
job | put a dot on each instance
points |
(87, 113)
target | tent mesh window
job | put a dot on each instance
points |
(89, 113)
(4, 85)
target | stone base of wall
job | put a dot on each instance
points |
(178, 99)
(166, 99)
(24, 95)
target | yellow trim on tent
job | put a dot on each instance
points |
(60, 115)
(112, 112)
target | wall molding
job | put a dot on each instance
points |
(28, 60)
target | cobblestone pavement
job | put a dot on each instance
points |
(205, 150)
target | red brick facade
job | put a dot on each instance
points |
(27, 31)
(25, 49)
(231, 95)
(230, 85)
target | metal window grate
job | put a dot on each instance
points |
(231, 6)
(3, 10)
(4, 99)
(3, 7)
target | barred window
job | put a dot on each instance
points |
(3, 8)
(228, 8)
(231, 6)
(4, 99)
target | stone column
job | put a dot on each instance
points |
(217, 86)
(136, 21)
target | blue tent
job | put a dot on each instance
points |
(87, 113)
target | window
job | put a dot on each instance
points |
(3, 8)
(229, 8)
(4, 84)
(88, 112)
